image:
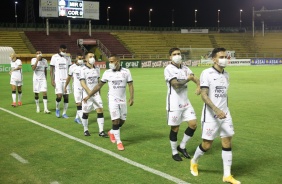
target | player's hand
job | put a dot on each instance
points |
(10, 72)
(131, 102)
(220, 114)
(85, 99)
(198, 91)
(66, 91)
(190, 77)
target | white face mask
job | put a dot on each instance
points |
(112, 66)
(39, 55)
(177, 59)
(80, 61)
(63, 53)
(91, 61)
(222, 62)
(10, 58)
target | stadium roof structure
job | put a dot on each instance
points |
(265, 15)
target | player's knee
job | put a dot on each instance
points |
(189, 131)
(206, 145)
(173, 136)
(116, 122)
(100, 115)
(85, 116)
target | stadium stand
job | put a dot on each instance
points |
(15, 40)
(270, 44)
(51, 43)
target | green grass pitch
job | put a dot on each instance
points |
(254, 99)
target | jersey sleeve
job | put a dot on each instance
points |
(204, 79)
(169, 74)
(46, 63)
(32, 62)
(82, 74)
(52, 62)
(19, 62)
(105, 77)
(129, 77)
(71, 71)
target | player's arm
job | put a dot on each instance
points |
(67, 83)
(52, 75)
(131, 92)
(35, 64)
(205, 97)
(196, 80)
(178, 83)
(94, 90)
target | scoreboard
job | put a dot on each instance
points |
(70, 8)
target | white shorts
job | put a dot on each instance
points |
(175, 118)
(92, 103)
(16, 82)
(118, 111)
(77, 93)
(223, 128)
(39, 86)
(60, 88)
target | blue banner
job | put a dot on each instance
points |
(266, 61)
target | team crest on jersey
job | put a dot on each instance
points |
(174, 119)
(209, 132)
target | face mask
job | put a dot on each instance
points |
(39, 55)
(63, 53)
(112, 66)
(91, 61)
(80, 61)
(177, 59)
(10, 58)
(222, 62)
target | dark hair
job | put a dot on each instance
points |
(63, 46)
(172, 50)
(216, 50)
(78, 54)
(115, 56)
(86, 53)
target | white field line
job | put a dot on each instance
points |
(19, 158)
(131, 162)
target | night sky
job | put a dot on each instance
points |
(161, 16)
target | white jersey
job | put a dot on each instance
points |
(91, 77)
(16, 75)
(61, 64)
(74, 71)
(218, 84)
(39, 72)
(177, 99)
(117, 80)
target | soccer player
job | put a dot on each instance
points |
(39, 65)
(74, 72)
(216, 118)
(117, 78)
(59, 66)
(16, 80)
(89, 78)
(178, 106)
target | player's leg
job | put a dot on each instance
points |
(66, 101)
(207, 136)
(45, 102)
(98, 106)
(59, 94)
(174, 120)
(226, 133)
(36, 99)
(14, 94)
(77, 93)
(19, 88)
(188, 116)
(87, 108)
